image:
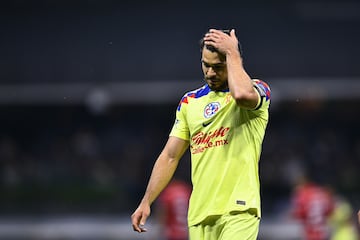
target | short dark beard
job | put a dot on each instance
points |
(222, 87)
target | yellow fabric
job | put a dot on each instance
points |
(342, 222)
(225, 145)
(239, 226)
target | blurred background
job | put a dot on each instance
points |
(88, 92)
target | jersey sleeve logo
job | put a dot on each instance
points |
(263, 88)
(211, 109)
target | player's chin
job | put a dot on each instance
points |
(213, 84)
(216, 86)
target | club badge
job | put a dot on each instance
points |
(211, 109)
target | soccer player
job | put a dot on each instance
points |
(172, 207)
(313, 205)
(223, 123)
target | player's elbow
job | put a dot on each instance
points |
(246, 100)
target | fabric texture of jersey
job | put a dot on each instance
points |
(225, 145)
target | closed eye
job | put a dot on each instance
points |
(217, 66)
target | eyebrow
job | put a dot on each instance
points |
(220, 64)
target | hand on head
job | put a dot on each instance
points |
(221, 40)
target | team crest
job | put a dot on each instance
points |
(211, 109)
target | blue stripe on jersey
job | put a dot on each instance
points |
(200, 92)
(203, 91)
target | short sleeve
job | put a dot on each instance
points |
(180, 128)
(264, 92)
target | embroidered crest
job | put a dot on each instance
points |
(211, 109)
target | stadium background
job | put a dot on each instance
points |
(88, 91)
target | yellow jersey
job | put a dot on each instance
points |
(225, 145)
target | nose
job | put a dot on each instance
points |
(210, 72)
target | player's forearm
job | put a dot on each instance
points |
(162, 173)
(240, 84)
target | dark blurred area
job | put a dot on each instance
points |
(88, 92)
(66, 159)
(100, 41)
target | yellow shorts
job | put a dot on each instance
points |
(232, 226)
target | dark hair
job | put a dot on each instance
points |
(212, 48)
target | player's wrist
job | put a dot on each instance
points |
(233, 54)
(145, 201)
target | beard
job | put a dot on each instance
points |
(216, 84)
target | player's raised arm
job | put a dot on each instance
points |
(239, 82)
(162, 173)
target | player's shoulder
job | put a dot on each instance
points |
(262, 87)
(193, 94)
(260, 82)
(198, 92)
